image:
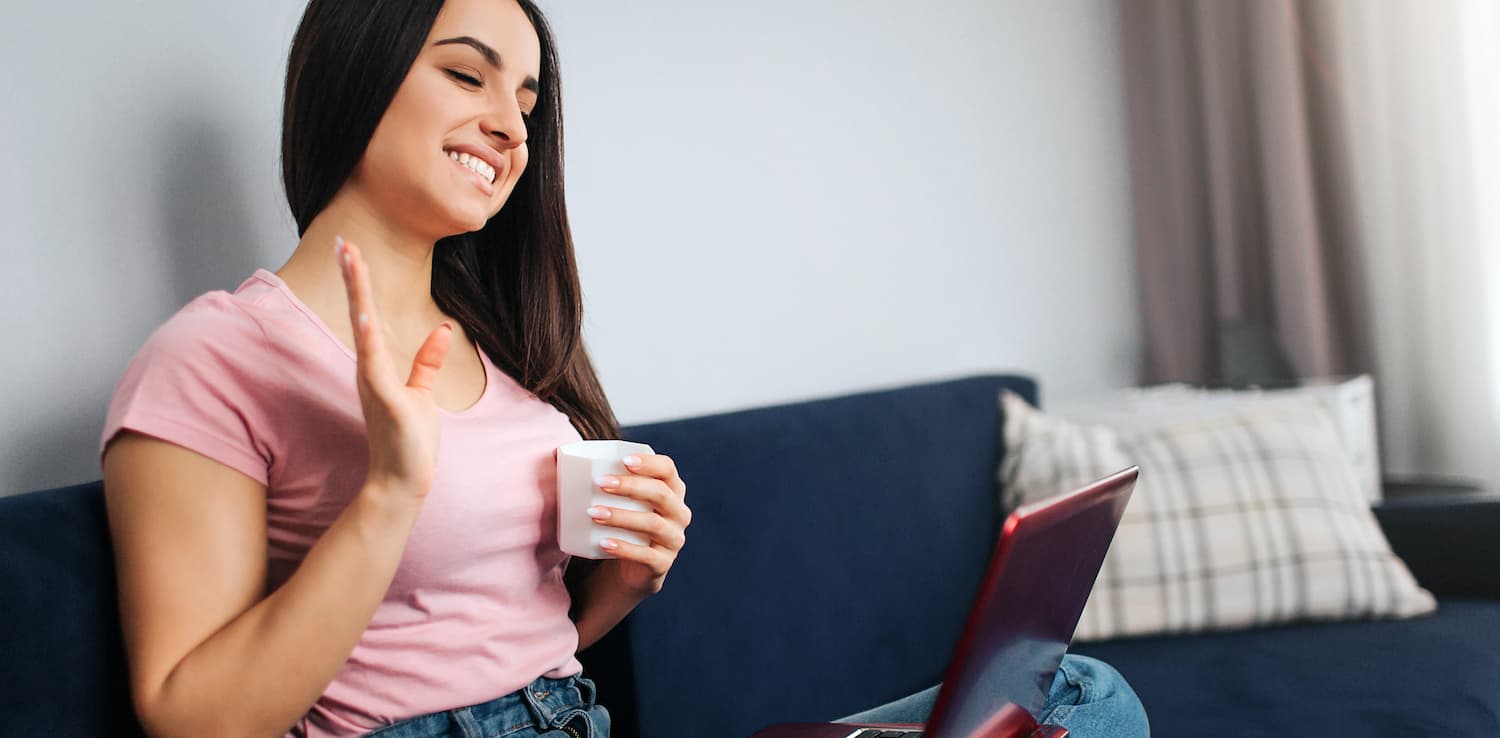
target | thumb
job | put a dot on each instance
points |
(430, 357)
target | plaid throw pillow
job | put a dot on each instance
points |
(1249, 517)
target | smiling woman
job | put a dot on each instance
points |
(409, 590)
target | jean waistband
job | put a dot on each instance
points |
(538, 704)
(544, 698)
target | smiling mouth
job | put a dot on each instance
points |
(473, 164)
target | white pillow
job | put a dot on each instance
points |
(1350, 401)
(1243, 517)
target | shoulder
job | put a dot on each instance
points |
(212, 318)
(217, 337)
(218, 321)
(205, 380)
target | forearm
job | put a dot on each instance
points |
(263, 671)
(600, 601)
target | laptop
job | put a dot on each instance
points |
(1023, 617)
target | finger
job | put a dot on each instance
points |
(368, 343)
(429, 360)
(660, 466)
(654, 527)
(653, 492)
(655, 559)
(649, 490)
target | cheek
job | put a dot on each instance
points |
(407, 130)
(518, 160)
(521, 157)
(392, 155)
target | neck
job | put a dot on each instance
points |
(400, 263)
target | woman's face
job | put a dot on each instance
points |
(469, 93)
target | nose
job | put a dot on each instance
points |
(505, 126)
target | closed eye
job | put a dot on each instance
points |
(464, 78)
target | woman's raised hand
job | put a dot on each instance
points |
(401, 420)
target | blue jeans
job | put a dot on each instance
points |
(547, 708)
(1088, 697)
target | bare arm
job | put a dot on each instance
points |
(208, 654)
(600, 600)
(605, 592)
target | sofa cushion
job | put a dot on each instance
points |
(1433, 675)
(834, 550)
(1250, 515)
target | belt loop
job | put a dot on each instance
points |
(468, 727)
(587, 689)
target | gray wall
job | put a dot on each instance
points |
(772, 201)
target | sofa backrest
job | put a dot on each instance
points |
(834, 547)
(834, 550)
(62, 659)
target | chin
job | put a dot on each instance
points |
(467, 220)
(474, 217)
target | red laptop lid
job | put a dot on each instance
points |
(1039, 577)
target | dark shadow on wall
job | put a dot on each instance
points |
(205, 214)
(58, 450)
(209, 244)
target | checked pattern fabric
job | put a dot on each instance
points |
(1244, 518)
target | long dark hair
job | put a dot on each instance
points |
(513, 284)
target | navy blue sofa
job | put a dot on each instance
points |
(834, 548)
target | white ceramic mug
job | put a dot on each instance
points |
(579, 464)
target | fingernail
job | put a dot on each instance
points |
(448, 325)
(599, 513)
(632, 460)
(608, 482)
(364, 321)
(338, 244)
(608, 545)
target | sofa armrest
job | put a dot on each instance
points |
(1428, 487)
(1449, 543)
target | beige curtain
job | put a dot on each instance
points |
(1249, 265)
(1326, 175)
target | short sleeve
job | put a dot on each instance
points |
(204, 380)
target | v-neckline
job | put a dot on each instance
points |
(280, 284)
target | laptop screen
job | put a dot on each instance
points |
(1039, 579)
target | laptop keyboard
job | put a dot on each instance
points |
(877, 733)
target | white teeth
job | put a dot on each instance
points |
(475, 163)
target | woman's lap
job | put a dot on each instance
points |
(1088, 697)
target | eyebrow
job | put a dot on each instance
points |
(490, 55)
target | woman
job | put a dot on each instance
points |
(310, 543)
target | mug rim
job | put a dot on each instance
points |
(603, 449)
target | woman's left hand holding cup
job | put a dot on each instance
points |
(653, 480)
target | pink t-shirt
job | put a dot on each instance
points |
(477, 609)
